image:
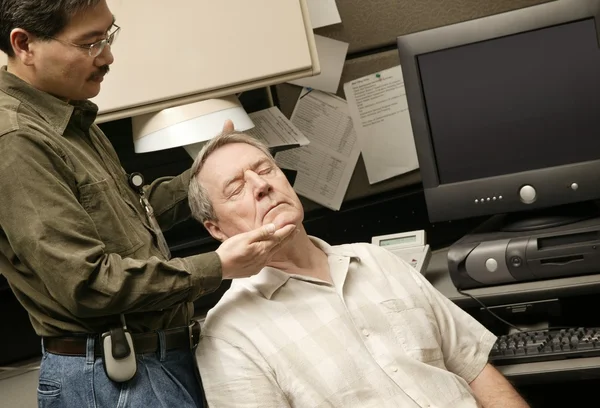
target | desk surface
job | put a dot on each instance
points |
(437, 273)
(553, 371)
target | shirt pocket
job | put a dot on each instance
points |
(111, 216)
(414, 329)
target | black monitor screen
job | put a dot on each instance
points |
(516, 103)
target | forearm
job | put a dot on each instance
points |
(89, 283)
(492, 390)
(168, 197)
(114, 285)
(508, 399)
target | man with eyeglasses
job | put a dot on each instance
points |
(78, 239)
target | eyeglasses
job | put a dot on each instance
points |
(96, 48)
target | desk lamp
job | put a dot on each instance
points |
(188, 125)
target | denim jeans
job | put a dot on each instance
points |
(163, 379)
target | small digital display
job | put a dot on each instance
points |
(397, 241)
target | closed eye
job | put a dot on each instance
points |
(237, 189)
(265, 171)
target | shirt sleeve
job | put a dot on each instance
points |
(169, 199)
(168, 196)
(51, 235)
(466, 343)
(234, 377)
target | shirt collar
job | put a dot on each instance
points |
(331, 250)
(269, 279)
(56, 112)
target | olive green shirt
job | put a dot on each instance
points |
(80, 250)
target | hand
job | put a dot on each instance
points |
(228, 126)
(246, 254)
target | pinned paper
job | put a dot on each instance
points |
(323, 13)
(332, 56)
(379, 111)
(275, 130)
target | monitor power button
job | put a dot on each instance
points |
(528, 194)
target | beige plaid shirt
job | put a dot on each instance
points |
(380, 336)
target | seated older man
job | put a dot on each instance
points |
(327, 326)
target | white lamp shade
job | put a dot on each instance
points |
(187, 125)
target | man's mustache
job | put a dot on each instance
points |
(101, 71)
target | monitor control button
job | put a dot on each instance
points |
(491, 265)
(527, 194)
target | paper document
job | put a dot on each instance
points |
(275, 130)
(326, 165)
(332, 56)
(323, 13)
(379, 110)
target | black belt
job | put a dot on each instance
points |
(185, 338)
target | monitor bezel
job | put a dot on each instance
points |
(456, 200)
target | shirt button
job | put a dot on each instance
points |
(395, 369)
(365, 332)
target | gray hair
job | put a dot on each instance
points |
(42, 18)
(200, 203)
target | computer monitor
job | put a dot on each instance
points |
(505, 110)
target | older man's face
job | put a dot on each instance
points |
(247, 190)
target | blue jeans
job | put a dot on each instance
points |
(163, 379)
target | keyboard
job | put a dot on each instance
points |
(545, 345)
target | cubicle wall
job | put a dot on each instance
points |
(369, 25)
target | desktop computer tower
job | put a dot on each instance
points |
(494, 255)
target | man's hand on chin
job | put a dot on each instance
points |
(245, 254)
